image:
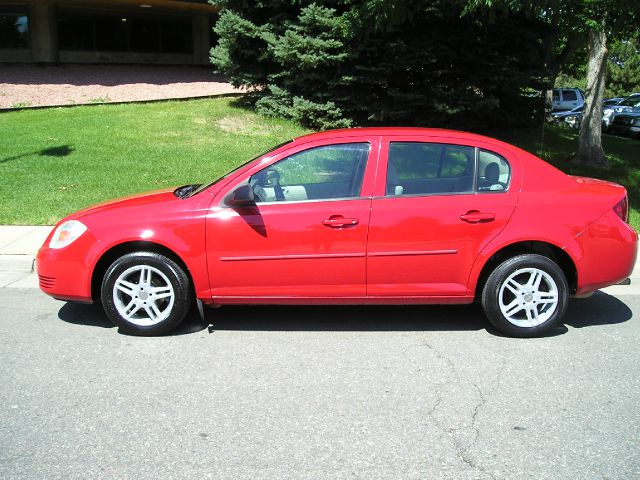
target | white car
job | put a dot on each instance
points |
(629, 104)
(626, 123)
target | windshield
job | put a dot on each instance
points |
(631, 101)
(205, 186)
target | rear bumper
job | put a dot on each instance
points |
(605, 253)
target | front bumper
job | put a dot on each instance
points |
(627, 131)
(65, 273)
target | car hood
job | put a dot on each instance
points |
(132, 204)
(620, 109)
(633, 114)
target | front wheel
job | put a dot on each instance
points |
(145, 293)
(526, 296)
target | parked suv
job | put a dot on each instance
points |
(566, 99)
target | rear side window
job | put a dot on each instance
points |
(416, 168)
(494, 173)
(569, 96)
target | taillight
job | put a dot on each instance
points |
(622, 209)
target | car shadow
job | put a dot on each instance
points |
(600, 309)
(84, 314)
(346, 318)
(92, 315)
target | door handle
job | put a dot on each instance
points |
(475, 216)
(340, 222)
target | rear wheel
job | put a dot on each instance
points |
(146, 293)
(526, 296)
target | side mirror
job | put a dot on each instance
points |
(242, 196)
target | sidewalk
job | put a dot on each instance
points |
(19, 245)
(18, 248)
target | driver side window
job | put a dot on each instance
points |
(327, 172)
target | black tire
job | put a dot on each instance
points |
(156, 304)
(529, 311)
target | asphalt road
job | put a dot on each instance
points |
(311, 393)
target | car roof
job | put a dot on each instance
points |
(398, 131)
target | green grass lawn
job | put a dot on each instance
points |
(55, 161)
(58, 160)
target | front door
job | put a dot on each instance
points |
(305, 237)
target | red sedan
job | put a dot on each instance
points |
(359, 216)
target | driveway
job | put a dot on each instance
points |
(35, 86)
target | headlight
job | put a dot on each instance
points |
(67, 233)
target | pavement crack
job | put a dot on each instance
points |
(462, 451)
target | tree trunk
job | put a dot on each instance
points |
(590, 140)
(548, 103)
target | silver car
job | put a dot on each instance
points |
(626, 123)
(629, 104)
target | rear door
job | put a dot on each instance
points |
(436, 205)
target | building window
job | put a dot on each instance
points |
(75, 32)
(14, 28)
(112, 34)
(145, 35)
(95, 32)
(176, 36)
